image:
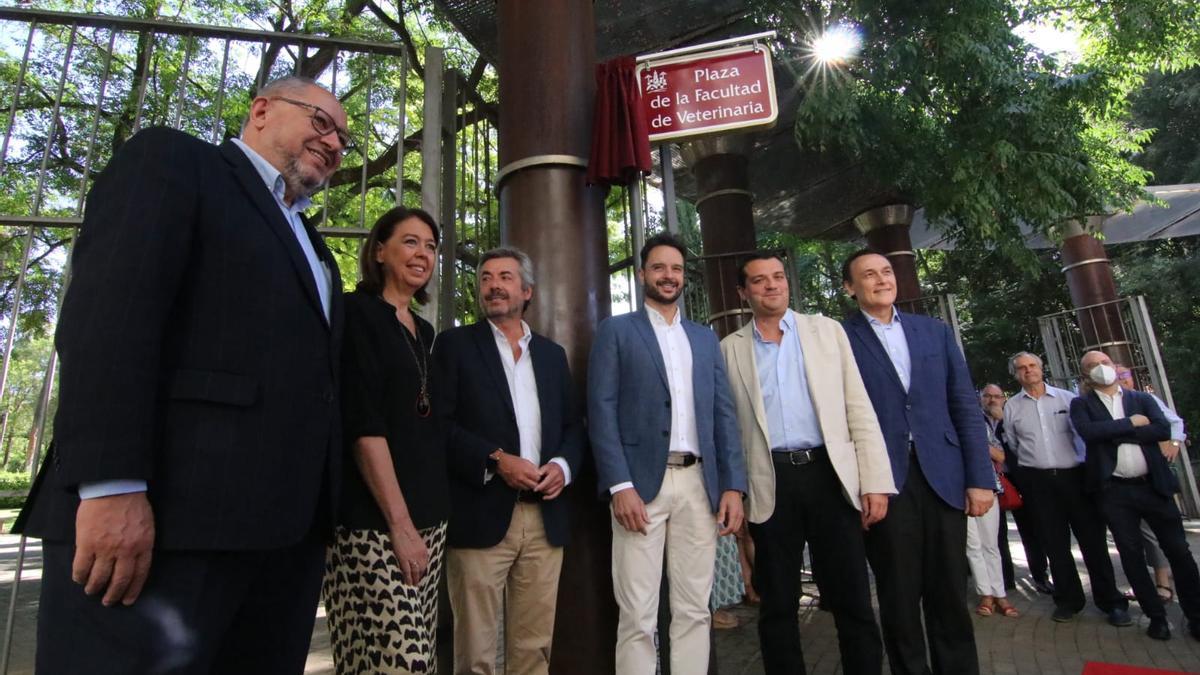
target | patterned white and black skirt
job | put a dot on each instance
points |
(377, 623)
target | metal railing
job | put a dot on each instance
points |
(85, 83)
(1068, 335)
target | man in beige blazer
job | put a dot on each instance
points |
(817, 465)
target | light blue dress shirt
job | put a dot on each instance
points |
(894, 342)
(791, 417)
(321, 275)
(274, 182)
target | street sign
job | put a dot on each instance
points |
(708, 92)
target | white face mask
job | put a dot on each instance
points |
(1103, 375)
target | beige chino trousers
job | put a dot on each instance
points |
(681, 522)
(522, 572)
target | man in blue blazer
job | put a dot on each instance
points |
(918, 382)
(1132, 481)
(665, 438)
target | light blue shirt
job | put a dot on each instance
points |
(275, 183)
(1176, 422)
(321, 275)
(894, 342)
(791, 418)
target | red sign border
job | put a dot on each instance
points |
(721, 128)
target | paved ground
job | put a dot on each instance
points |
(1030, 644)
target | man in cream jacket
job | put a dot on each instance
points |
(817, 466)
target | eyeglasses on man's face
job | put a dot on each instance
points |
(322, 121)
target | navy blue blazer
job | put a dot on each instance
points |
(195, 355)
(939, 409)
(629, 408)
(472, 397)
(1102, 434)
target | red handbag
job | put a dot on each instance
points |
(1010, 499)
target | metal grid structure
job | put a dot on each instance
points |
(85, 83)
(1064, 335)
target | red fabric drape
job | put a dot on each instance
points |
(620, 135)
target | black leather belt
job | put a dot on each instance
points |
(1136, 480)
(797, 456)
(681, 460)
(529, 497)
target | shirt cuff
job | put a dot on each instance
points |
(566, 469)
(620, 486)
(108, 488)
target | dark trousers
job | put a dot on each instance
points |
(200, 612)
(1056, 500)
(918, 555)
(1035, 554)
(1124, 507)
(810, 507)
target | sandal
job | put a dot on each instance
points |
(1165, 594)
(984, 609)
(1007, 610)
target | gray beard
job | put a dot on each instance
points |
(297, 183)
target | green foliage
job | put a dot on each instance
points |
(1167, 273)
(998, 304)
(1169, 104)
(13, 482)
(948, 105)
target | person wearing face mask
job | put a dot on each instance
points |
(1132, 481)
(1170, 449)
(1037, 426)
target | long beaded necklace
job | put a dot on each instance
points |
(424, 407)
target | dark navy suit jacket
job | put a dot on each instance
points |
(629, 408)
(474, 399)
(195, 355)
(939, 409)
(1102, 434)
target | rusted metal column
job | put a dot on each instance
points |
(1094, 290)
(547, 85)
(887, 230)
(725, 204)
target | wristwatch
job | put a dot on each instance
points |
(493, 460)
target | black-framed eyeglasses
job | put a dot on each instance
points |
(322, 121)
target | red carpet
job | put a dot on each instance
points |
(1092, 668)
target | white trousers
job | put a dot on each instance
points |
(983, 553)
(682, 522)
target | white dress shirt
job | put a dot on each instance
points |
(677, 358)
(1131, 463)
(522, 389)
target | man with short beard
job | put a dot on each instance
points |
(190, 486)
(1131, 479)
(515, 442)
(665, 439)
